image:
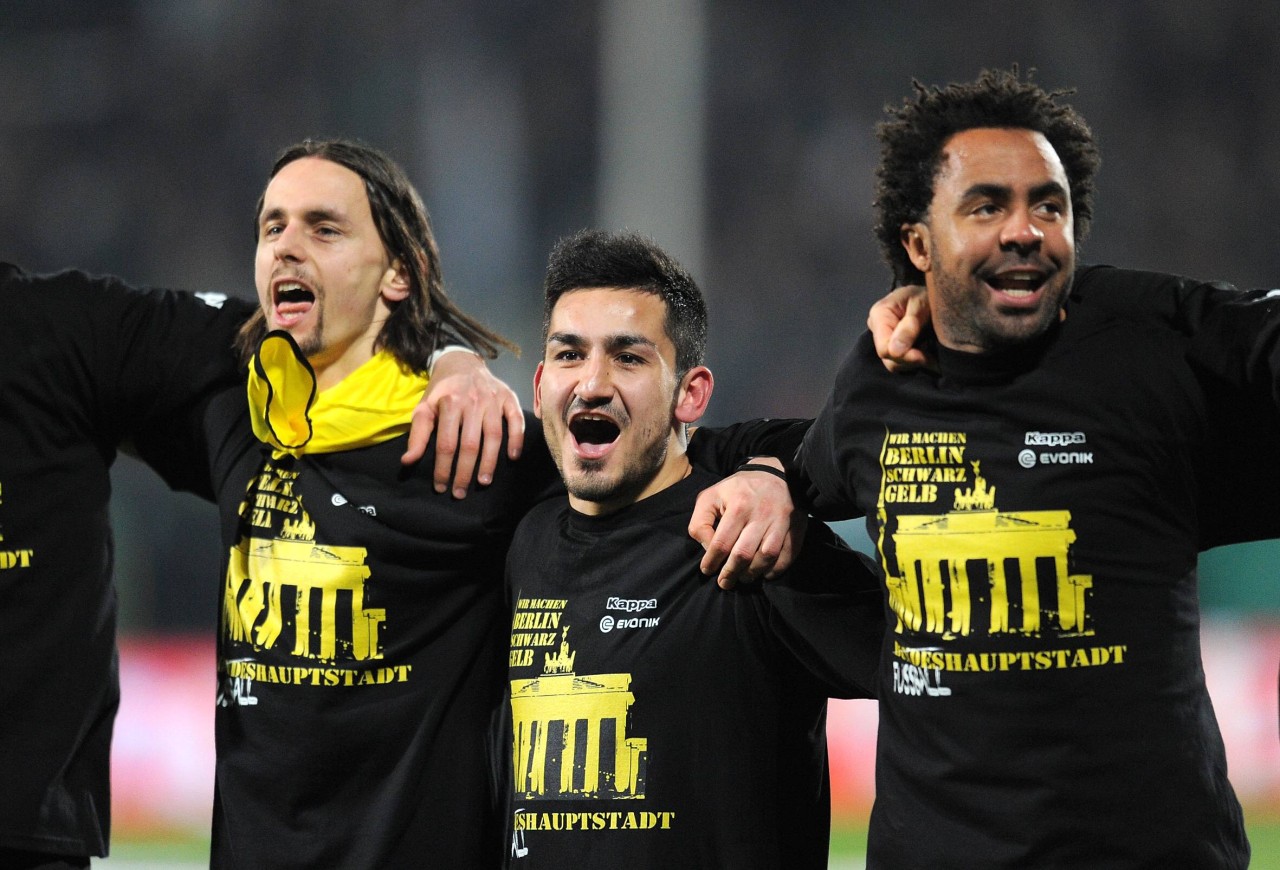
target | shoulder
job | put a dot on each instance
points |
(862, 375)
(109, 309)
(861, 361)
(544, 515)
(533, 477)
(54, 286)
(1176, 302)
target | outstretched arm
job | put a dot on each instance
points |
(465, 405)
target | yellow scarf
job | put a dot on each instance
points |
(371, 405)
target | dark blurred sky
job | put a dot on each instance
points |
(135, 138)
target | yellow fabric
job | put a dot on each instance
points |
(372, 404)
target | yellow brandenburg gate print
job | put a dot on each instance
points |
(570, 733)
(260, 569)
(930, 586)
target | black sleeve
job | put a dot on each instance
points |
(1234, 334)
(827, 611)
(538, 475)
(1235, 354)
(176, 352)
(176, 348)
(1239, 343)
(1233, 346)
(722, 450)
(817, 473)
(1186, 305)
(129, 361)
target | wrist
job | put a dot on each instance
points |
(448, 348)
(768, 464)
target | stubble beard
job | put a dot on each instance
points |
(969, 319)
(312, 343)
(591, 482)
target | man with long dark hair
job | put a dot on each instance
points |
(91, 364)
(360, 652)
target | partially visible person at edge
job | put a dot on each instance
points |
(362, 642)
(1037, 514)
(629, 671)
(89, 364)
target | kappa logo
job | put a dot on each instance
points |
(1054, 439)
(629, 605)
(1030, 458)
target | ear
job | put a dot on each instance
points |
(395, 282)
(915, 238)
(537, 392)
(693, 395)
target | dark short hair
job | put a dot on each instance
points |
(628, 261)
(418, 322)
(913, 138)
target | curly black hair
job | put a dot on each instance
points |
(912, 140)
(427, 317)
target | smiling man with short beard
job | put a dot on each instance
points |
(1037, 496)
(996, 247)
(632, 676)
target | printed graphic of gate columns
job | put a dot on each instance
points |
(934, 554)
(260, 569)
(570, 734)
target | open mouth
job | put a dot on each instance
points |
(292, 300)
(593, 434)
(1017, 284)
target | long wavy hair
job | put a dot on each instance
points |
(416, 324)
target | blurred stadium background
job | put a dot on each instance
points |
(135, 138)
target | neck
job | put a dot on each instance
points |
(331, 372)
(675, 468)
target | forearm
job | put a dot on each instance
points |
(721, 450)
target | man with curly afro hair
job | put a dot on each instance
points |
(1037, 497)
(914, 139)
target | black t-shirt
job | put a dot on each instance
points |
(87, 362)
(1231, 346)
(659, 721)
(1037, 515)
(360, 654)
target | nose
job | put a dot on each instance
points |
(287, 245)
(1020, 233)
(595, 386)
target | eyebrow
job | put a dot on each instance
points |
(311, 216)
(1049, 188)
(1001, 191)
(619, 341)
